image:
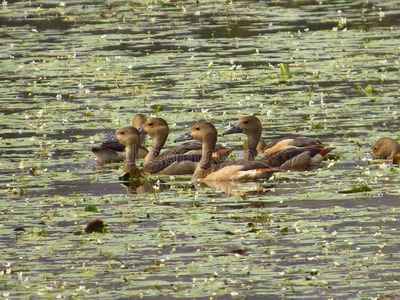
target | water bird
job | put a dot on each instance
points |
(129, 137)
(112, 150)
(296, 159)
(206, 133)
(254, 145)
(178, 160)
(387, 148)
(293, 153)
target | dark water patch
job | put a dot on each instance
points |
(89, 188)
(51, 23)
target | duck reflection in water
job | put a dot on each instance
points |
(236, 188)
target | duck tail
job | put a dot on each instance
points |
(325, 151)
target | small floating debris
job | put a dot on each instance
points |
(96, 225)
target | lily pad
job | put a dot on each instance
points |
(357, 189)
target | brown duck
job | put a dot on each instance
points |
(295, 153)
(206, 133)
(387, 148)
(112, 150)
(129, 137)
(179, 160)
(254, 145)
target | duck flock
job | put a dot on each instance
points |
(201, 156)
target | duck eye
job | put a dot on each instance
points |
(197, 128)
(150, 124)
(246, 122)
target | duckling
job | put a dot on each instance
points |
(206, 133)
(113, 151)
(387, 148)
(251, 126)
(178, 160)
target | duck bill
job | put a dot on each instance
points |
(142, 131)
(184, 137)
(234, 129)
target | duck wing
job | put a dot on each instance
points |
(112, 144)
(239, 170)
(111, 150)
(185, 148)
(296, 141)
(297, 159)
(175, 164)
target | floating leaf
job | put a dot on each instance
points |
(157, 107)
(91, 207)
(285, 230)
(357, 189)
(285, 70)
(369, 90)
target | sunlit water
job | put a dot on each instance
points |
(72, 72)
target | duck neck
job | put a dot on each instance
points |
(130, 157)
(208, 147)
(251, 151)
(158, 143)
(396, 149)
(143, 140)
(261, 146)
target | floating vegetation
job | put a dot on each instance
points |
(95, 225)
(357, 189)
(285, 70)
(73, 72)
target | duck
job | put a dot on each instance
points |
(129, 137)
(178, 160)
(254, 145)
(132, 178)
(296, 159)
(206, 133)
(295, 153)
(113, 151)
(387, 148)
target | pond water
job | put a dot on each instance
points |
(73, 72)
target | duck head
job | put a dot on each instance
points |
(202, 131)
(385, 148)
(155, 127)
(128, 136)
(250, 126)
